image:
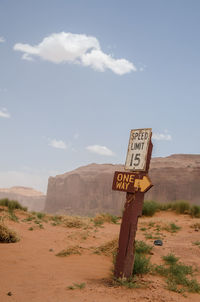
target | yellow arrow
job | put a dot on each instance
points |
(143, 184)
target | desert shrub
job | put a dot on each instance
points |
(196, 226)
(165, 206)
(170, 259)
(74, 222)
(148, 236)
(29, 218)
(40, 215)
(172, 228)
(7, 235)
(151, 224)
(197, 243)
(176, 274)
(128, 283)
(100, 219)
(142, 248)
(56, 220)
(161, 270)
(72, 250)
(12, 204)
(77, 286)
(150, 208)
(109, 248)
(12, 216)
(141, 264)
(181, 207)
(195, 211)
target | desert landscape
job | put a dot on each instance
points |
(100, 161)
(63, 247)
(70, 258)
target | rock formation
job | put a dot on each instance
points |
(27, 197)
(88, 190)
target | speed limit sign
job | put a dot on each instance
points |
(138, 146)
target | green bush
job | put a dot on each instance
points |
(172, 228)
(12, 216)
(12, 204)
(141, 264)
(129, 283)
(40, 215)
(195, 211)
(170, 259)
(150, 208)
(165, 206)
(142, 248)
(176, 274)
(181, 207)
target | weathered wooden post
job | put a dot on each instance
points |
(135, 184)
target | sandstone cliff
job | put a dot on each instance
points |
(88, 190)
(28, 197)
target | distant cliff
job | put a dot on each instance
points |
(88, 190)
(28, 197)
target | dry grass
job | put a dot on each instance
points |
(72, 250)
(100, 219)
(108, 249)
(195, 226)
(75, 222)
(7, 235)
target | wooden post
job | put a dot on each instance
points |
(125, 256)
(132, 210)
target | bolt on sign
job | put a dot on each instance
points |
(138, 149)
(135, 183)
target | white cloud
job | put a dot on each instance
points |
(101, 150)
(162, 136)
(27, 57)
(77, 49)
(59, 144)
(4, 113)
(2, 39)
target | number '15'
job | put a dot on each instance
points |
(135, 159)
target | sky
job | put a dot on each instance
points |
(77, 76)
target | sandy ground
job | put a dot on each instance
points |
(32, 272)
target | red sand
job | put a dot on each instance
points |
(30, 270)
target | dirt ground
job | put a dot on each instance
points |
(32, 272)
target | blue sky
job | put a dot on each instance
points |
(76, 76)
